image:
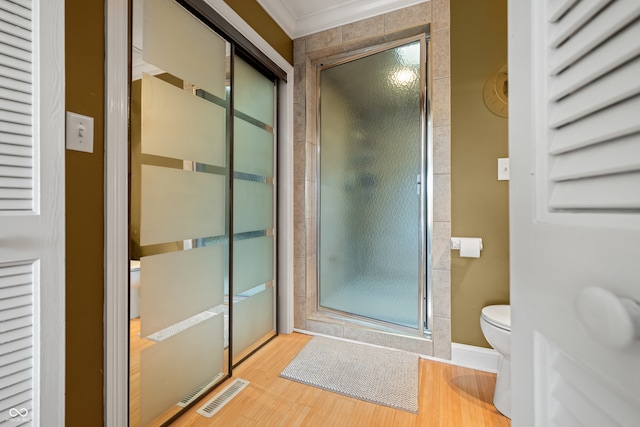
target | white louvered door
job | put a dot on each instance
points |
(574, 144)
(32, 212)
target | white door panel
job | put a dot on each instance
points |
(574, 207)
(32, 212)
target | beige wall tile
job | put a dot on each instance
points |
(299, 239)
(311, 276)
(299, 50)
(414, 345)
(311, 236)
(441, 57)
(441, 292)
(299, 122)
(299, 282)
(299, 313)
(407, 17)
(441, 17)
(442, 197)
(442, 149)
(331, 329)
(299, 83)
(441, 101)
(324, 39)
(364, 335)
(326, 52)
(361, 29)
(441, 250)
(442, 337)
(299, 160)
(299, 200)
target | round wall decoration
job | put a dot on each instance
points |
(496, 92)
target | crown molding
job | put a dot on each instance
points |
(303, 25)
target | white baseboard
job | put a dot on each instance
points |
(480, 358)
(466, 356)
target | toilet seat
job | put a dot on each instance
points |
(498, 316)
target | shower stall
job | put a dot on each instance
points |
(374, 186)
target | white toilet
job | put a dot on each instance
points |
(495, 322)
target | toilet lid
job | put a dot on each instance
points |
(499, 315)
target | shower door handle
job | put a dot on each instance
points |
(419, 182)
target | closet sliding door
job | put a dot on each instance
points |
(180, 210)
(203, 209)
(254, 244)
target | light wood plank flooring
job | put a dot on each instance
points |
(450, 396)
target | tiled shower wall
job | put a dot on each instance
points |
(432, 17)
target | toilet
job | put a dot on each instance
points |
(134, 289)
(495, 322)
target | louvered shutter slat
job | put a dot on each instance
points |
(16, 75)
(18, 9)
(616, 86)
(616, 121)
(16, 311)
(16, 183)
(26, 4)
(612, 54)
(15, 356)
(575, 19)
(593, 110)
(618, 15)
(15, 172)
(614, 157)
(16, 161)
(15, 150)
(8, 28)
(15, 324)
(558, 8)
(13, 19)
(24, 46)
(19, 86)
(16, 345)
(595, 193)
(18, 396)
(10, 284)
(15, 334)
(16, 205)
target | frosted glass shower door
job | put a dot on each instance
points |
(371, 211)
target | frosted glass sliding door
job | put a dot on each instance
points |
(203, 209)
(254, 241)
(180, 216)
(372, 161)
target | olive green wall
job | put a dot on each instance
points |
(479, 202)
(84, 174)
(260, 21)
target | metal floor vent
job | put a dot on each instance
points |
(218, 401)
(197, 392)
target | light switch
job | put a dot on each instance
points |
(503, 169)
(79, 132)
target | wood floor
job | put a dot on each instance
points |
(450, 396)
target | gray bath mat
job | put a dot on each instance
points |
(383, 376)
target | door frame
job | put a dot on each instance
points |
(116, 215)
(425, 312)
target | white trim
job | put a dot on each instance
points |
(49, 180)
(466, 356)
(116, 198)
(479, 358)
(116, 331)
(346, 13)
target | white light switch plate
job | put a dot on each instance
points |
(79, 132)
(503, 169)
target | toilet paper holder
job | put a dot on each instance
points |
(455, 242)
